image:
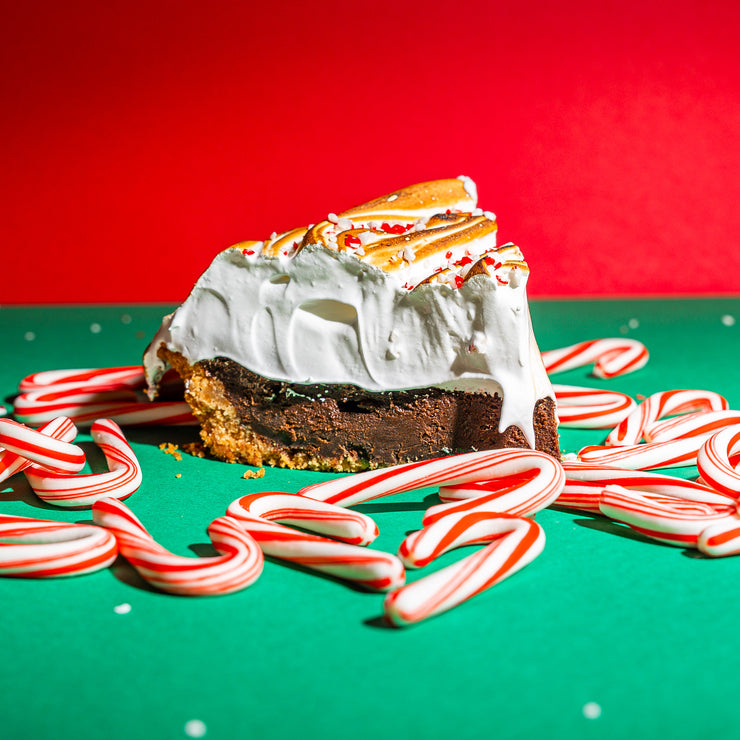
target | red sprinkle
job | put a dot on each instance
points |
(458, 281)
(350, 239)
(465, 260)
(248, 251)
(396, 228)
(448, 255)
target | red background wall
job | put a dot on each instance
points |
(138, 139)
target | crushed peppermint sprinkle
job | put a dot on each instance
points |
(352, 240)
(392, 198)
(333, 218)
(365, 237)
(273, 236)
(476, 212)
(408, 253)
(344, 224)
(501, 280)
(490, 215)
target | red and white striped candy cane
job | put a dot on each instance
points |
(672, 521)
(238, 565)
(40, 548)
(76, 491)
(714, 463)
(60, 428)
(721, 538)
(702, 424)
(591, 408)
(103, 378)
(664, 403)
(526, 481)
(263, 515)
(453, 470)
(126, 407)
(611, 356)
(49, 452)
(588, 475)
(676, 453)
(515, 542)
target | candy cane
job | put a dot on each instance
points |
(259, 514)
(715, 467)
(664, 403)
(83, 407)
(453, 470)
(123, 478)
(673, 454)
(516, 542)
(525, 482)
(60, 428)
(721, 538)
(40, 548)
(590, 408)
(581, 474)
(130, 376)
(666, 520)
(612, 357)
(238, 566)
(702, 424)
(51, 453)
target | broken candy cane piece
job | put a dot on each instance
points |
(263, 515)
(238, 565)
(516, 542)
(40, 548)
(123, 478)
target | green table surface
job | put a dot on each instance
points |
(603, 623)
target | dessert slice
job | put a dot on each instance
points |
(392, 332)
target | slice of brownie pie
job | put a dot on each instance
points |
(392, 332)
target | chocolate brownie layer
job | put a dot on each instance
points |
(250, 419)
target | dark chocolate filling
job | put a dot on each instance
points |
(386, 428)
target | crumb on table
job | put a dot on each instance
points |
(169, 449)
(254, 473)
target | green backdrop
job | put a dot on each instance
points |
(602, 623)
